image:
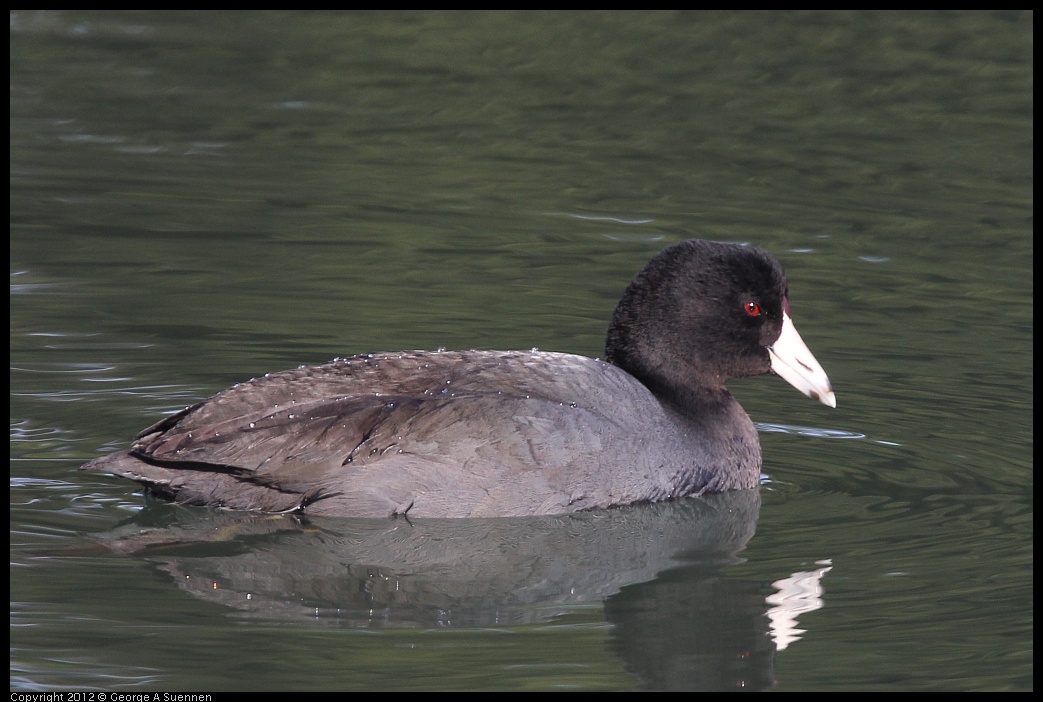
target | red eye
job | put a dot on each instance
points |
(752, 309)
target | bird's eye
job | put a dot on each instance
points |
(753, 309)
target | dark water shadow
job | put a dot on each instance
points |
(656, 569)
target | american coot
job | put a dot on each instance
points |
(504, 433)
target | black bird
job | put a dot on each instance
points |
(504, 433)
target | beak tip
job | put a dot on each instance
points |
(829, 399)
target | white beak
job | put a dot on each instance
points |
(792, 361)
